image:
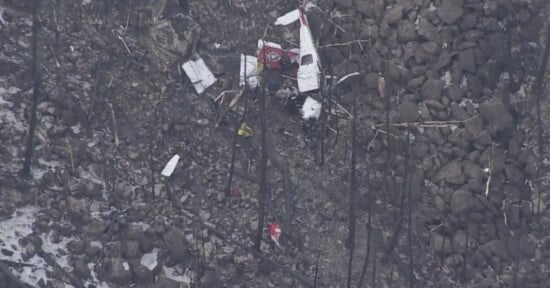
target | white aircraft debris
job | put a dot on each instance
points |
(170, 166)
(199, 74)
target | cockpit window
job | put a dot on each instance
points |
(307, 59)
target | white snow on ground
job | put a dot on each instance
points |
(11, 231)
(7, 117)
(16, 228)
(94, 281)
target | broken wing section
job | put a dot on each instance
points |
(199, 74)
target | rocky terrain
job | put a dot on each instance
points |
(452, 166)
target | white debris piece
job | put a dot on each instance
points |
(149, 260)
(311, 109)
(249, 70)
(170, 166)
(2, 20)
(199, 74)
(346, 77)
(288, 18)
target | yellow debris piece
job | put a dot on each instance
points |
(244, 130)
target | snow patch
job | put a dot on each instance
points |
(95, 282)
(11, 231)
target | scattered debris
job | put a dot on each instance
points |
(170, 166)
(311, 109)
(199, 74)
(245, 130)
(274, 232)
(273, 56)
(249, 70)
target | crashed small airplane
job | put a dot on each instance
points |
(309, 71)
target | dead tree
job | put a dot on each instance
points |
(367, 255)
(35, 93)
(352, 186)
(410, 204)
(262, 192)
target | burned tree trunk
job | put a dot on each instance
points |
(352, 187)
(263, 173)
(35, 93)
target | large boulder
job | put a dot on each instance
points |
(460, 201)
(176, 244)
(451, 173)
(496, 115)
(450, 11)
(120, 272)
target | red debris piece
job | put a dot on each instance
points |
(274, 232)
(273, 56)
(237, 192)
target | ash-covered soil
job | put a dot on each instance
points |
(451, 156)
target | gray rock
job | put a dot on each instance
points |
(364, 7)
(459, 201)
(416, 83)
(77, 247)
(406, 31)
(440, 243)
(81, 268)
(455, 92)
(496, 114)
(120, 272)
(466, 61)
(432, 89)
(344, 3)
(450, 11)
(443, 60)
(130, 249)
(164, 282)
(76, 210)
(211, 279)
(472, 170)
(92, 189)
(407, 112)
(371, 79)
(440, 204)
(394, 14)
(451, 173)
(96, 227)
(459, 241)
(143, 274)
(92, 251)
(427, 30)
(474, 126)
(431, 47)
(497, 248)
(176, 244)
